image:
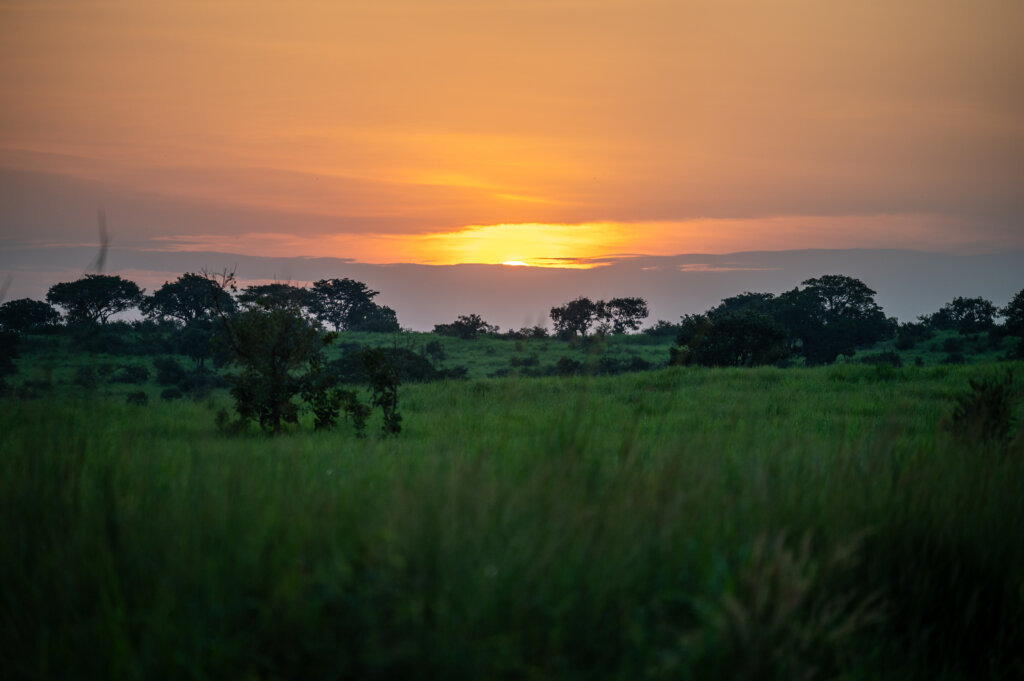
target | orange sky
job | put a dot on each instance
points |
(544, 132)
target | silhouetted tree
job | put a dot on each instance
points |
(624, 314)
(25, 315)
(467, 327)
(271, 342)
(94, 297)
(271, 346)
(737, 337)
(832, 315)
(342, 303)
(186, 299)
(377, 319)
(966, 315)
(276, 296)
(575, 317)
(1014, 315)
(1014, 324)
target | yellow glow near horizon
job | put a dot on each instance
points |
(526, 244)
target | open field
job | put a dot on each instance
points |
(720, 523)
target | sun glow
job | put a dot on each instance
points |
(524, 244)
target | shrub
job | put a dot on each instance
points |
(888, 357)
(171, 394)
(528, 361)
(168, 371)
(33, 389)
(138, 397)
(985, 413)
(86, 377)
(384, 383)
(131, 373)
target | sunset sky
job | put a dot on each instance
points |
(555, 132)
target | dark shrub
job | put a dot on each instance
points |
(131, 374)
(139, 397)
(86, 377)
(954, 358)
(905, 343)
(985, 413)
(612, 365)
(888, 357)
(171, 394)
(953, 345)
(168, 371)
(201, 382)
(32, 389)
(565, 367)
(435, 351)
(455, 372)
(410, 366)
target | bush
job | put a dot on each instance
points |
(954, 358)
(410, 366)
(131, 373)
(985, 413)
(168, 371)
(138, 397)
(952, 345)
(905, 343)
(171, 394)
(888, 357)
(33, 389)
(86, 377)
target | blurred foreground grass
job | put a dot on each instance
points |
(687, 523)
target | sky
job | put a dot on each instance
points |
(553, 133)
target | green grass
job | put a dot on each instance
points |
(649, 525)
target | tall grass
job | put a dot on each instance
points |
(683, 523)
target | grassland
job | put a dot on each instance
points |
(679, 523)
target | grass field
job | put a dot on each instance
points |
(680, 523)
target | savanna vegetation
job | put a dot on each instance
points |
(475, 504)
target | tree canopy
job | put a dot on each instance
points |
(25, 315)
(966, 315)
(617, 315)
(342, 303)
(276, 296)
(466, 326)
(94, 297)
(830, 316)
(187, 299)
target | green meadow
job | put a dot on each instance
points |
(678, 523)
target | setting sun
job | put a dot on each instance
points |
(529, 244)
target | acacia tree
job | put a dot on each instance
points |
(94, 297)
(276, 296)
(187, 299)
(343, 303)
